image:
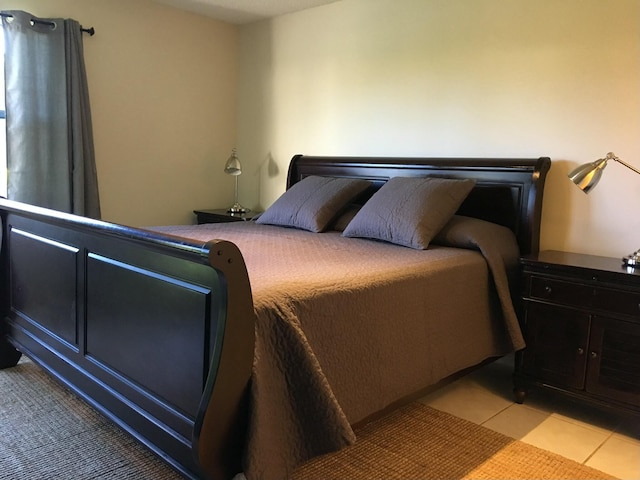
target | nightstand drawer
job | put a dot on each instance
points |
(617, 301)
(557, 291)
(585, 296)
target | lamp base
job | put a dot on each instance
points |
(237, 208)
(632, 260)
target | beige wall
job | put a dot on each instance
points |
(163, 87)
(557, 78)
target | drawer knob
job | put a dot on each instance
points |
(580, 351)
(594, 354)
(547, 290)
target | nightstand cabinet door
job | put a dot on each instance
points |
(557, 342)
(614, 360)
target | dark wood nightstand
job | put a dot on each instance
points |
(580, 315)
(222, 215)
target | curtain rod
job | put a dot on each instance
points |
(91, 31)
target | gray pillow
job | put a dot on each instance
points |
(313, 202)
(409, 211)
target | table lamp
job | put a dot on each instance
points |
(587, 176)
(233, 167)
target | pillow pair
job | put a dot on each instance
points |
(407, 211)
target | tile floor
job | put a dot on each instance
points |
(547, 420)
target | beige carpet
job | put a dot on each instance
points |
(46, 432)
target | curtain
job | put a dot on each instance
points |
(50, 152)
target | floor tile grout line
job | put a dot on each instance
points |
(598, 448)
(498, 413)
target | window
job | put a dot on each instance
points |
(3, 123)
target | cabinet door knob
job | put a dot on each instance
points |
(594, 354)
(580, 351)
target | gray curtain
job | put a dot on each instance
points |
(50, 153)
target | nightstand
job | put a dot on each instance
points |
(580, 316)
(222, 215)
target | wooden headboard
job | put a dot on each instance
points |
(508, 191)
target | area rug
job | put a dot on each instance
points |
(421, 443)
(46, 432)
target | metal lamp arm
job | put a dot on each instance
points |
(631, 261)
(630, 167)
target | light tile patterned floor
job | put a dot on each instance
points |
(583, 433)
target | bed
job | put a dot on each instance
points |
(253, 347)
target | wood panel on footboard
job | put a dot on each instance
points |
(156, 332)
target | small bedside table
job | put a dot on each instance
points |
(222, 215)
(580, 316)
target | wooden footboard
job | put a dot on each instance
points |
(154, 331)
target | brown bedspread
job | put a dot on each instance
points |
(347, 326)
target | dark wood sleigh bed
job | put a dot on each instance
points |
(157, 331)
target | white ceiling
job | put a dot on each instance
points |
(243, 11)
